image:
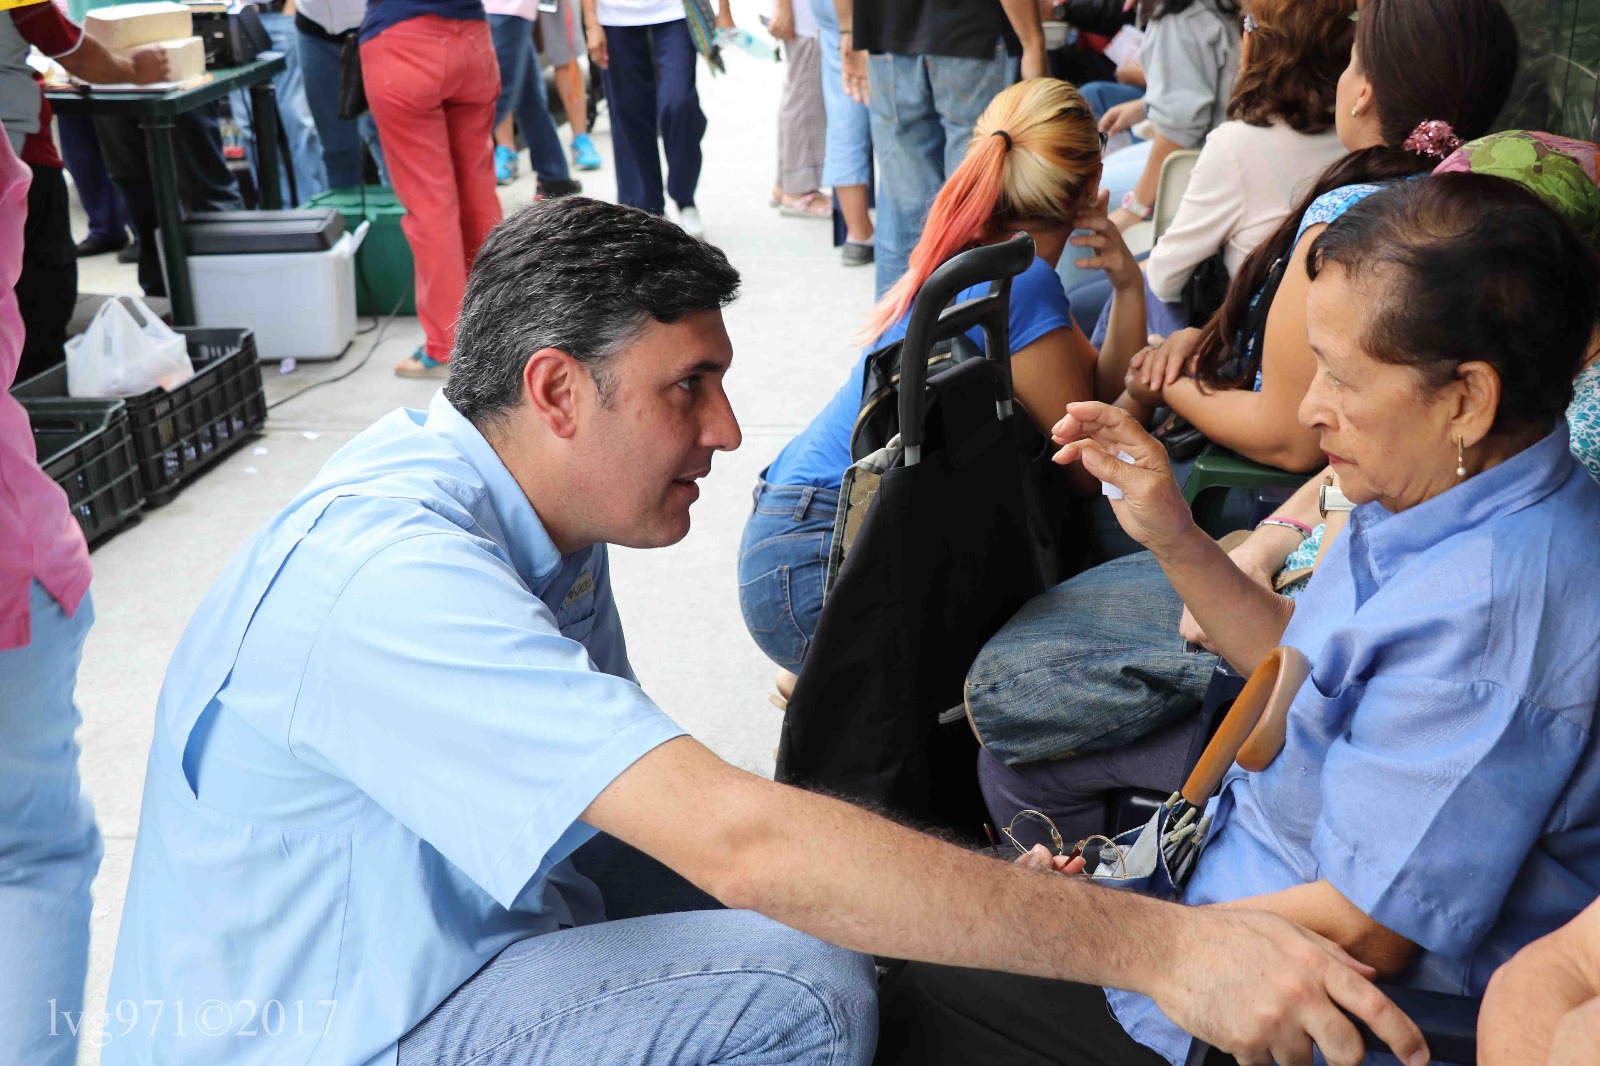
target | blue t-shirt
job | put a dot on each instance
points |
(820, 454)
(381, 14)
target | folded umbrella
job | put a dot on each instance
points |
(1158, 857)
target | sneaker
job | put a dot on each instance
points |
(584, 156)
(550, 190)
(855, 255)
(689, 219)
(505, 165)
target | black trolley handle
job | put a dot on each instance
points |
(931, 322)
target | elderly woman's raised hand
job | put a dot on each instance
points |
(1152, 509)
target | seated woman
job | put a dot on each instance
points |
(1452, 695)
(1256, 166)
(1414, 63)
(1098, 666)
(1032, 165)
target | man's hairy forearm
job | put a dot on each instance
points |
(858, 880)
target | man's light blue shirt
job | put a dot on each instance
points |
(372, 747)
(1440, 768)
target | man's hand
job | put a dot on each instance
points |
(782, 25)
(1264, 990)
(149, 64)
(1123, 116)
(853, 71)
(724, 19)
(1543, 1006)
(1035, 63)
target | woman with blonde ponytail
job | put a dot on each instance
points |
(1033, 166)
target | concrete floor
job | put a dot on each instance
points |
(790, 332)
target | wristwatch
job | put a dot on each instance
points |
(1131, 204)
(1329, 498)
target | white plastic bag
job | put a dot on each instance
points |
(126, 352)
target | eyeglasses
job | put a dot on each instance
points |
(1103, 140)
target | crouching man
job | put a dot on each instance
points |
(407, 703)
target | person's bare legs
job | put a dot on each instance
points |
(574, 96)
(505, 134)
(853, 202)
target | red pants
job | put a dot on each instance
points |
(432, 84)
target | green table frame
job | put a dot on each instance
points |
(156, 112)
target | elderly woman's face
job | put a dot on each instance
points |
(1389, 439)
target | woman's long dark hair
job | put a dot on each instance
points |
(1425, 59)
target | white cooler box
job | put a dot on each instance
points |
(301, 304)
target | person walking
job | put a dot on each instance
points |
(432, 83)
(563, 46)
(523, 96)
(648, 62)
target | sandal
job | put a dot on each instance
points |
(420, 364)
(811, 205)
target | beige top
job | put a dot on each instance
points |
(1246, 179)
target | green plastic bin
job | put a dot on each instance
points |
(383, 265)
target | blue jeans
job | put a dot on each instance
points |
(80, 150)
(690, 987)
(1091, 665)
(1102, 96)
(923, 111)
(1120, 173)
(649, 91)
(522, 91)
(783, 561)
(341, 138)
(49, 846)
(1091, 306)
(294, 111)
(847, 158)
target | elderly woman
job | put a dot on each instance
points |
(1434, 807)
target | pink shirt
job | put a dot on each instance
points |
(39, 538)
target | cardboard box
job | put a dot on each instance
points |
(186, 58)
(130, 25)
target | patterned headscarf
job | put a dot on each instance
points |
(1562, 172)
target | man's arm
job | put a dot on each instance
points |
(46, 28)
(1247, 982)
(1024, 18)
(594, 34)
(852, 60)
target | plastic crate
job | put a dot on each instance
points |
(85, 447)
(384, 267)
(178, 434)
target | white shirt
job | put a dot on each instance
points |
(638, 12)
(1246, 180)
(335, 16)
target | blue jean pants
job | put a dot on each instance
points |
(80, 150)
(783, 562)
(294, 111)
(343, 140)
(1102, 96)
(923, 111)
(847, 156)
(650, 92)
(523, 93)
(665, 988)
(49, 846)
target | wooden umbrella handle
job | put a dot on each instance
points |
(1253, 729)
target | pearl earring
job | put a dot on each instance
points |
(1355, 112)
(1461, 457)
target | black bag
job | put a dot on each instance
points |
(1204, 292)
(352, 91)
(1181, 437)
(949, 548)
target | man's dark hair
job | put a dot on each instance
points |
(578, 275)
(1466, 267)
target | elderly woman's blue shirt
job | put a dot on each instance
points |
(1440, 768)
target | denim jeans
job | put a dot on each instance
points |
(294, 112)
(49, 846)
(523, 92)
(342, 139)
(80, 150)
(1102, 96)
(783, 561)
(650, 93)
(923, 111)
(1091, 308)
(847, 159)
(669, 988)
(1091, 665)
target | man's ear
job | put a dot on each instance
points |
(553, 380)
